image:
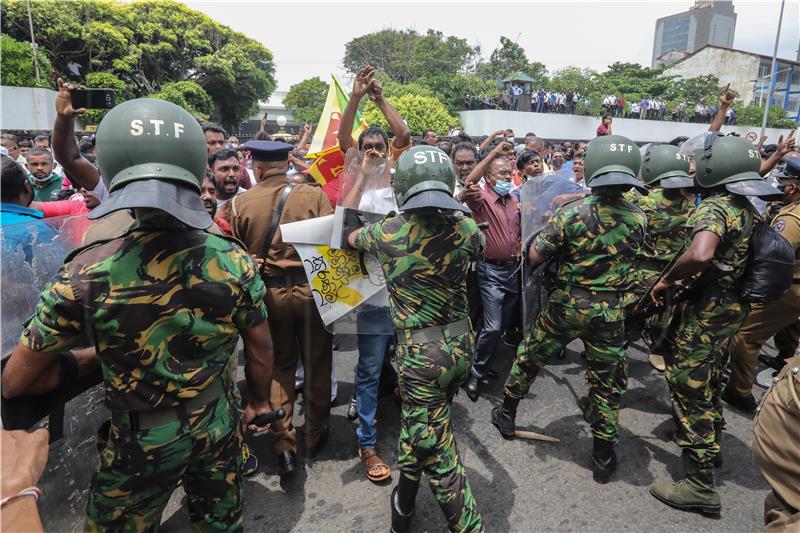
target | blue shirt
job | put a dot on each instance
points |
(23, 228)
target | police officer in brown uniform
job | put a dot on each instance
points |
(766, 320)
(296, 327)
(776, 447)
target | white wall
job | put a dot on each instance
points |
(574, 127)
(735, 68)
(27, 108)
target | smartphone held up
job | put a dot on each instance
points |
(92, 98)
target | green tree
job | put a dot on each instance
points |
(148, 44)
(16, 67)
(509, 58)
(420, 112)
(189, 95)
(452, 89)
(405, 55)
(307, 99)
(753, 114)
(105, 80)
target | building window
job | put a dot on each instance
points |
(675, 35)
(764, 69)
(794, 104)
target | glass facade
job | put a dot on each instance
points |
(675, 34)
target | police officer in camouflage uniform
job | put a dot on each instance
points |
(665, 172)
(720, 227)
(596, 240)
(425, 253)
(163, 305)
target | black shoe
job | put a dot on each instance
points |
(287, 463)
(604, 461)
(352, 409)
(473, 388)
(775, 363)
(401, 523)
(504, 417)
(313, 450)
(249, 461)
(747, 404)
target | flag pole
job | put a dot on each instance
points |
(773, 76)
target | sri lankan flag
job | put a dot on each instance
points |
(328, 126)
(328, 165)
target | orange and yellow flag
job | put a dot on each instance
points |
(328, 125)
(328, 165)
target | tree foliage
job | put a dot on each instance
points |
(105, 80)
(406, 56)
(189, 95)
(307, 99)
(420, 113)
(17, 68)
(148, 44)
(510, 58)
(753, 114)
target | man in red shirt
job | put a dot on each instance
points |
(498, 271)
(605, 126)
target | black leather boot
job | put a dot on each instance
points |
(473, 387)
(604, 460)
(503, 416)
(403, 497)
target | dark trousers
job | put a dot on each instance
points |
(499, 286)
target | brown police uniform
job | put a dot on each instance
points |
(296, 327)
(776, 448)
(765, 320)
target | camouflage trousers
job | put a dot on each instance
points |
(577, 314)
(694, 372)
(137, 472)
(430, 375)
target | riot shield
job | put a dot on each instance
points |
(32, 253)
(536, 208)
(365, 194)
(696, 142)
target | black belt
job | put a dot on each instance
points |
(585, 292)
(433, 333)
(513, 262)
(282, 281)
(138, 420)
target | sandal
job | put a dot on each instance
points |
(371, 463)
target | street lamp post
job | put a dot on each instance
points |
(773, 74)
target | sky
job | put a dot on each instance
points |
(308, 39)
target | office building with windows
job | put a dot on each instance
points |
(706, 22)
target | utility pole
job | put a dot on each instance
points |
(34, 46)
(773, 74)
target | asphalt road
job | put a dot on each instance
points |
(519, 485)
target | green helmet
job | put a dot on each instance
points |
(152, 153)
(612, 160)
(424, 178)
(734, 162)
(664, 165)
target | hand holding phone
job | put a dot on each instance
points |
(92, 98)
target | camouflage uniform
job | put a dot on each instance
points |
(163, 304)
(667, 214)
(596, 240)
(708, 324)
(425, 260)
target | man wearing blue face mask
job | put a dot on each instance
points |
(498, 271)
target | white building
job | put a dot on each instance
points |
(748, 74)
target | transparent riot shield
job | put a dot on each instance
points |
(536, 208)
(696, 143)
(31, 254)
(365, 194)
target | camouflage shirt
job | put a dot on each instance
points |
(729, 217)
(666, 223)
(598, 238)
(425, 260)
(163, 307)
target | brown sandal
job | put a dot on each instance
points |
(370, 461)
